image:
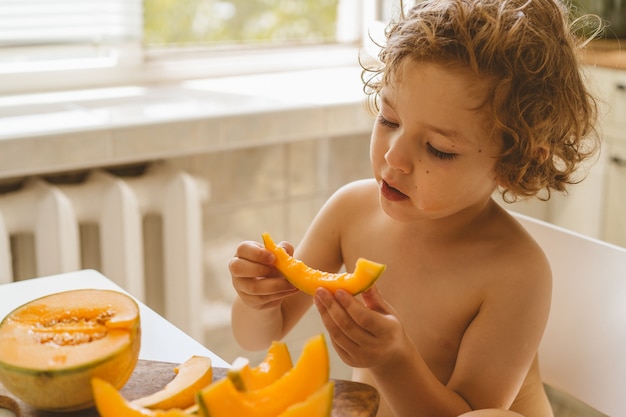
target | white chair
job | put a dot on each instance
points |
(583, 352)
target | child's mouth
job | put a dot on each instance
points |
(390, 193)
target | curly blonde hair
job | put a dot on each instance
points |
(542, 111)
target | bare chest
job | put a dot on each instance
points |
(435, 314)
(436, 297)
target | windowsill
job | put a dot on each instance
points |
(65, 131)
(94, 69)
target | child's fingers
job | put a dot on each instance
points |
(373, 299)
(244, 268)
(336, 320)
(347, 315)
(288, 247)
(255, 252)
(267, 286)
(263, 293)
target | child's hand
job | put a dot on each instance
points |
(365, 335)
(259, 285)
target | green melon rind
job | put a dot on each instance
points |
(41, 389)
(234, 373)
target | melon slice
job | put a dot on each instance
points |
(110, 403)
(309, 374)
(191, 376)
(276, 363)
(307, 279)
(319, 404)
(51, 347)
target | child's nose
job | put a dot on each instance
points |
(398, 155)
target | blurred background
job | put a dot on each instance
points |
(202, 123)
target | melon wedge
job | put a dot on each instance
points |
(276, 363)
(309, 374)
(110, 403)
(319, 404)
(191, 376)
(307, 279)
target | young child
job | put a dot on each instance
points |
(472, 96)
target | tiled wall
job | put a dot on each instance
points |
(274, 188)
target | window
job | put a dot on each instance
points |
(36, 22)
(236, 22)
(42, 35)
(60, 44)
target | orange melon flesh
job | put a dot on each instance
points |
(308, 279)
(52, 346)
(191, 376)
(110, 403)
(276, 363)
(309, 374)
(319, 404)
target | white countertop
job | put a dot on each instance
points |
(72, 130)
(160, 340)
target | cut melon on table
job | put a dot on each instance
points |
(110, 403)
(51, 347)
(276, 363)
(308, 375)
(191, 376)
(318, 404)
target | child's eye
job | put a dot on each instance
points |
(446, 156)
(386, 122)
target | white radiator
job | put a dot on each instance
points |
(121, 209)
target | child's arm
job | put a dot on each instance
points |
(267, 305)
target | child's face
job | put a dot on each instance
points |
(431, 149)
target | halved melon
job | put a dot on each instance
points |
(319, 404)
(110, 403)
(191, 376)
(276, 363)
(51, 347)
(307, 279)
(309, 374)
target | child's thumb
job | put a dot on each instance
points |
(373, 299)
(288, 247)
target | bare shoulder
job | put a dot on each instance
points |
(349, 203)
(518, 248)
(357, 192)
(357, 198)
(353, 203)
(520, 268)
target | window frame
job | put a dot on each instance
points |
(129, 63)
